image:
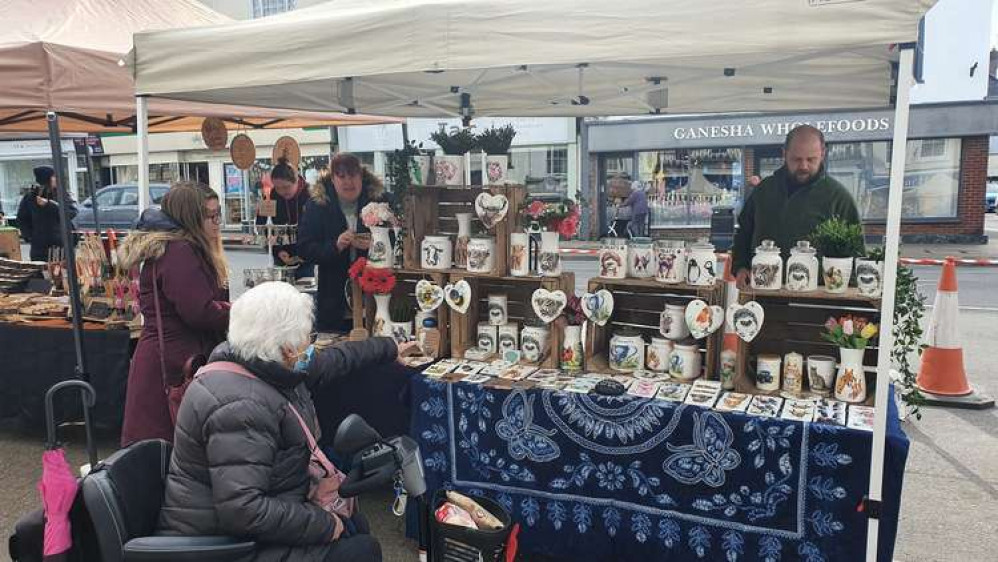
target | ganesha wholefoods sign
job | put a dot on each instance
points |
(830, 127)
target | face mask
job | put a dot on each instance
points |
(305, 358)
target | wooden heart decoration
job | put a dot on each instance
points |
(458, 296)
(548, 304)
(491, 209)
(703, 319)
(429, 296)
(746, 320)
(598, 306)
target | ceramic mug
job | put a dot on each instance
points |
(657, 355)
(519, 254)
(534, 343)
(767, 372)
(821, 374)
(684, 362)
(672, 322)
(481, 254)
(437, 252)
(487, 336)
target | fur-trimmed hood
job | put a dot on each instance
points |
(155, 230)
(322, 190)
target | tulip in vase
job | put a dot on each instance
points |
(852, 335)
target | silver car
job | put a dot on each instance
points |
(119, 206)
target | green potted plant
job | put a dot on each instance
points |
(839, 243)
(448, 168)
(495, 143)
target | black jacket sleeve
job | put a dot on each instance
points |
(741, 250)
(347, 358)
(24, 221)
(241, 447)
(313, 244)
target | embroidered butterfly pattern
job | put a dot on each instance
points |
(523, 438)
(710, 455)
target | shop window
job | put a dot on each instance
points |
(933, 148)
(684, 186)
(243, 191)
(543, 170)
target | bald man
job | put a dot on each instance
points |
(788, 205)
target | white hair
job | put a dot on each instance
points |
(268, 318)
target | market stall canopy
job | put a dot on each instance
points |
(420, 58)
(65, 56)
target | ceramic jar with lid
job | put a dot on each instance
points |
(534, 343)
(481, 254)
(613, 258)
(672, 322)
(767, 267)
(437, 252)
(684, 362)
(802, 267)
(627, 352)
(640, 258)
(657, 355)
(670, 261)
(701, 265)
(549, 258)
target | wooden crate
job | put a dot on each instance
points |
(432, 210)
(793, 322)
(405, 291)
(519, 290)
(638, 305)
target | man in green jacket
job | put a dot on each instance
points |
(787, 206)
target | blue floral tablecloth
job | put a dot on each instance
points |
(621, 478)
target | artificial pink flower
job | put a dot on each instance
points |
(847, 327)
(831, 324)
(536, 209)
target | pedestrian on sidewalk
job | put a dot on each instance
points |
(637, 202)
(183, 292)
(38, 215)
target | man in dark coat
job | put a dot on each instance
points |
(38, 215)
(240, 459)
(332, 235)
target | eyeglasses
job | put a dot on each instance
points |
(215, 218)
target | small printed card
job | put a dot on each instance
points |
(517, 372)
(765, 406)
(798, 410)
(651, 376)
(830, 412)
(476, 379)
(706, 386)
(440, 369)
(494, 369)
(477, 354)
(580, 386)
(624, 380)
(704, 398)
(861, 417)
(673, 391)
(734, 402)
(643, 388)
(543, 375)
(469, 368)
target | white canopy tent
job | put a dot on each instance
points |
(411, 58)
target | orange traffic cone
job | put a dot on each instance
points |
(941, 377)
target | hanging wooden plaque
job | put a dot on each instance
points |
(287, 148)
(214, 133)
(243, 151)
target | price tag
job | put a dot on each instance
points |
(267, 208)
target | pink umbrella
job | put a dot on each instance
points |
(58, 485)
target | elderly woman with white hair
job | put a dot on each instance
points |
(245, 437)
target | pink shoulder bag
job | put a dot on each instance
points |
(325, 478)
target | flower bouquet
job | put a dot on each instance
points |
(849, 332)
(378, 214)
(556, 216)
(372, 280)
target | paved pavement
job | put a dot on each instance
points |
(950, 498)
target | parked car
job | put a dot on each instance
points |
(991, 198)
(119, 206)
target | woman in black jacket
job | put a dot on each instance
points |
(240, 463)
(38, 215)
(332, 235)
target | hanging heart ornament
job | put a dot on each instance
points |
(429, 296)
(703, 319)
(598, 306)
(491, 209)
(745, 320)
(458, 296)
(548, 304)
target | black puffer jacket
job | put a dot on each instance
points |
(240, 458)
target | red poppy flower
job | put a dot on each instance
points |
(357, 269)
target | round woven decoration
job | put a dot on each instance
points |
(243, 151)
(214, 133)
(287, 148)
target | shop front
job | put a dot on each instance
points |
(18, 158)
(690, 166)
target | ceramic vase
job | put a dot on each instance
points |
(509, 337)
(850, 380)
(549, 260)
(380, 254)
(627, 353)
(836, 273)
(382, 316)
(820, 374)
(729, 368)
(488, 336)
(498, 306)
(767, 372)
(519, 254)
(571, 349)
(463, 236)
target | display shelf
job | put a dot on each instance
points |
(638, 304)
(404, 291)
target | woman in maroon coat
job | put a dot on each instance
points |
(180, 246)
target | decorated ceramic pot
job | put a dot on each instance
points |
(448, 169)
(672, 322)
(729, 368)
(549, 258)
(820, 374)
(640, 258)
(627, 353)
(802, 268)
(509, 337)
(571, 349)
(670, 261)
(767, 372)
(496, 169)
(657, 355)
(869, 275)
(793, 373)
(463, 236)
(519, 254)
(481, 254)
(684, 362)
(488, 336)
(498, 305)
(613, 258)
(436, 252)
(836, 272)
(534, 343)
(767, 267)
(701, 265)
(380, 254)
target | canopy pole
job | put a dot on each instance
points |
(68, 244)
(142, 133)
(892, 237)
